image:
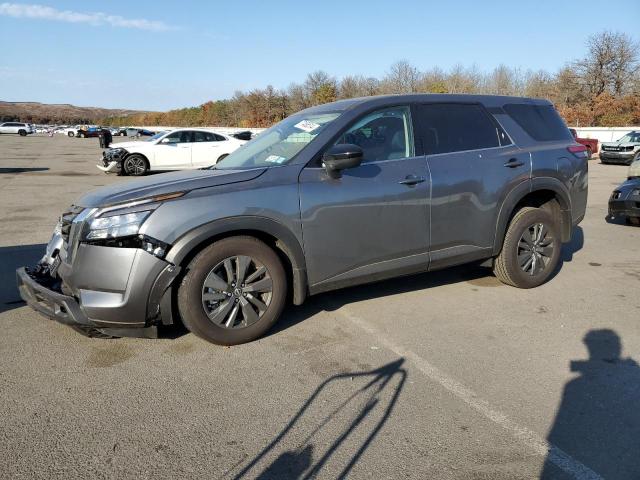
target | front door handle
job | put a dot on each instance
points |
(411, 180)
(513, 163)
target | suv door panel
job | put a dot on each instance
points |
(373, 221)
(365, 217)
(467, 186)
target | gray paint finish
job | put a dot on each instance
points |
(361, 227)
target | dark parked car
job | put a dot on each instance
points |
(625, 150)
(625, 199)
(590, 143)
(336, 195)
(88, 132)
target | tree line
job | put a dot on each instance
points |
(600, 89)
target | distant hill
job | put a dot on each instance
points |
(46, 113)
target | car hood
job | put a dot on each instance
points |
(136, 189)
(617, 144)
(126, 145)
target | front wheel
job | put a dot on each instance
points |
(233, 292)
(22, 133)
(634, 221)
(530, 251)
(71, 134)
(135, 165)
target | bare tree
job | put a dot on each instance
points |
(611, 61)
(401, 78)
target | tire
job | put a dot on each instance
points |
(91, 332)
(589, 153)
(71, 134)
(222, 157)
(135, 165)
(510, 267)
(212, 266)
(81, 135)
(22, 133)
(634, 221)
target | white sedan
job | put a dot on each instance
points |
(180, 149)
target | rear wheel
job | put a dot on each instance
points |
(135, 165)
(530, 251)
(589, 153)
(233, 292)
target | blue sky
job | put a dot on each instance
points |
(163, 54)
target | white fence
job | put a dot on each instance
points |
(604, 134)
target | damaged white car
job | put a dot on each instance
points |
(180, 149)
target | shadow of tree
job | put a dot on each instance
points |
(598, 420)
(335, 425)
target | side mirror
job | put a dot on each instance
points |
(341, 157)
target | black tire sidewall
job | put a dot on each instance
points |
(22, 133)
(190, 291)
(520, 278)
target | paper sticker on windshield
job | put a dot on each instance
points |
(306, 126)
(275, 159)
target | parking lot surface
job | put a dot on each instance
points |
(444, 375)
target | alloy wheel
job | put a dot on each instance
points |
(135, 166)
(237, 292)
(535, 249)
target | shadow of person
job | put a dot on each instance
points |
(598, 421)
(333, 428)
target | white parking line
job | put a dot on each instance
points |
(534, 441)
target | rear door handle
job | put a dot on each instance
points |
(513, 163)
(411, 180)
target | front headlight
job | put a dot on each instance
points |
(116, 226)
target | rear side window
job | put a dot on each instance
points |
(452, 127)
(541, 122)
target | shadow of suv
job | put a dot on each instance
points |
(336, 195)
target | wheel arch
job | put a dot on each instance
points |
(548, 193)
(271, 232)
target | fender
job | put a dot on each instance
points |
(286, 241)
(522, 190)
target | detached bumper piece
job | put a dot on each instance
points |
(38, 291)
(51, 304)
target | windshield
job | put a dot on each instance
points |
(280, 143)
(155, 137)
(633, 137)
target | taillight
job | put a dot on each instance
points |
(579, 151)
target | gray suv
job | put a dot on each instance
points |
(336, 195)
(625, 150)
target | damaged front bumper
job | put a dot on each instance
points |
(111, 167)
(625, 200)
(111, 161)
(117, 291)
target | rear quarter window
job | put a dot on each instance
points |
(541, 122)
